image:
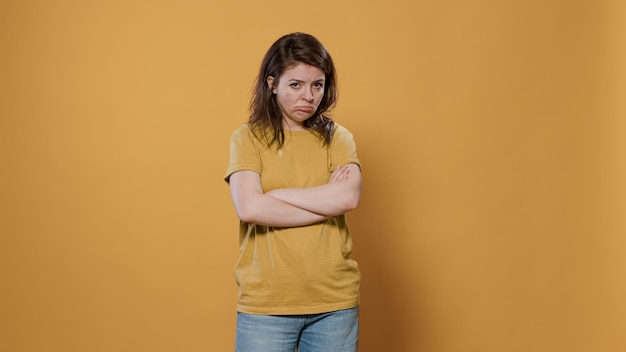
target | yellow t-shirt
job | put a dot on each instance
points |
(294, 270)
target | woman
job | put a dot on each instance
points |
(293, 174)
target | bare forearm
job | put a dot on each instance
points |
(330, 199)
(341, 194)
(270, 211)
(253, 206)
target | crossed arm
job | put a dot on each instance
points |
(288, 207)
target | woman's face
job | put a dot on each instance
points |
(299, 91)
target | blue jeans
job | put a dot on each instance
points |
(333, 331)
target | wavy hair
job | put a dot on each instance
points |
(266, 116)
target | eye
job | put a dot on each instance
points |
(318, 85)
(294, 85)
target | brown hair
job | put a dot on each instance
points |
(266, 116)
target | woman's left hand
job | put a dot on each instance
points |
(339, 174)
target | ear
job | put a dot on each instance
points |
(270, 84)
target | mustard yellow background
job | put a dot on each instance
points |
(491, 133)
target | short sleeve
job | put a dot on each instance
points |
(343, 148)
(244, 154)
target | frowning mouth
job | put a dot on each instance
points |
(308, 109)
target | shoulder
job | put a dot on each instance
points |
(246, 132)
(243, 130)
(341, 133)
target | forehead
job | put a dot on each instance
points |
(303, 72)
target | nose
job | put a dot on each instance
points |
(308, 94)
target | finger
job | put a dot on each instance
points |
(341, 173)
(334, 176)
(338, 174)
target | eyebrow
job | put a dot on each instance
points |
(299, 80)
